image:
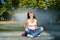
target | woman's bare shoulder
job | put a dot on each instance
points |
(27, 20)
(35, 19)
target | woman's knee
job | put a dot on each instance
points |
(41, 28)
(26, 30)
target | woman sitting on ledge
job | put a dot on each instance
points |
(31, 28)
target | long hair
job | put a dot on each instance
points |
(28, 17)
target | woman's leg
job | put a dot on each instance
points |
(28, 32)
(37, 32)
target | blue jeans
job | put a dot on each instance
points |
(36, 32)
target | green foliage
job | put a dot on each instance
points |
(26, 4)
(6, 7)
(36, 3)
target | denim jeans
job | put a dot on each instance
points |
(35, 33)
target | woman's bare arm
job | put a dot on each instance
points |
(36, 24)
(26, 24)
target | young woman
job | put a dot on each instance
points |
(31, 26)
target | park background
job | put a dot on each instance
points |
(13, 14)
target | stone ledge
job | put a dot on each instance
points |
(17, 36)
(17, 33)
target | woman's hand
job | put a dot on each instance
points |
(36, 28)
(26, 29)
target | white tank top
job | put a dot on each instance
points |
(31, 25)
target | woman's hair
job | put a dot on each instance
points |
(28, 17)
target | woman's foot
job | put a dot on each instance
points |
(29, 35)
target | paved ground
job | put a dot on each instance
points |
(17, 36)
(14, 31)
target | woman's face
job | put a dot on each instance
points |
(31, 15)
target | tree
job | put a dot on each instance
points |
(36, 3)
(26, 4)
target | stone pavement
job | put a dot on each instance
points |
(17, 36)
